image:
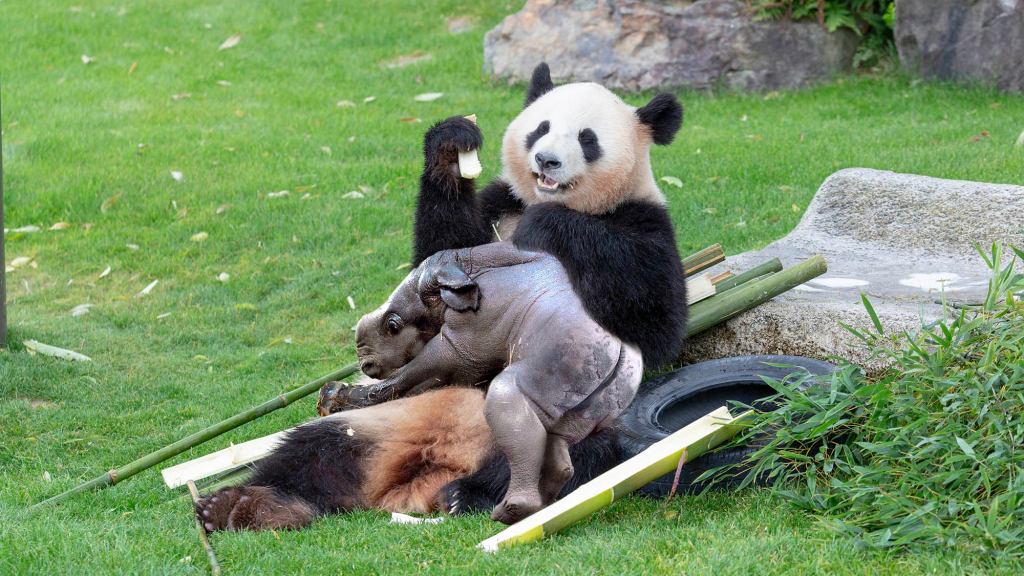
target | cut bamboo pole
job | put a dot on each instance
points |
(203, 538)
(221, 461)
(660, 458)
(763, 269)
(153, 458)
(721, 307)
(703, 260)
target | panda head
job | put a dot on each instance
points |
(581, 145)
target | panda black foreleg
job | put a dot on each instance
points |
(314, 471)
(485, 488)
(446, 213)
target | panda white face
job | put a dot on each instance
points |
(581, 145)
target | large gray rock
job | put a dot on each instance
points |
(975, 40)
(638, 45)
(903, 240)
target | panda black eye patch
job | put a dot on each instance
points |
(541, 130)
(591, 148)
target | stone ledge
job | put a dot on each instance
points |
(903, 240)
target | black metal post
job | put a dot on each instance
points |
(3, 261)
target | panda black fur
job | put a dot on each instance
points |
(576, 183)
(426, 453)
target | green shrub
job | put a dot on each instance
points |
(930, 452)
(870, 19)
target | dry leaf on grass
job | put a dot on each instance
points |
(230, 42)
(326, 150)
(403, 266)
(351, 302)
(224, 83)
(105, 273)
(181, 96)
(178, 176)
(673, 181)
(60, 226)
(110, 202)
(281, 194)
(1020, 140)
(345, 104)
(224, 277)
(407, 120)
(21, 262)
(222, 209)
(35, 347)
(145, 291)
(199, 237)
(164, 315)
(80, 310)
(22, 230)
(369, 99)
(86, 59)
(353, 195)
(428, 96)
(132, 247)
(407, 59)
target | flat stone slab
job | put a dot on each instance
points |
(905, 241)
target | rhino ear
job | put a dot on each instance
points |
(540, 83)
(461, 299)
(457, 290)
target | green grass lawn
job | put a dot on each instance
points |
(94, 145)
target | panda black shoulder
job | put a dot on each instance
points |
(623, 264)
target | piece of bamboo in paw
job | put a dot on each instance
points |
(469, 161)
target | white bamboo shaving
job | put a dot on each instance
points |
(399, 518)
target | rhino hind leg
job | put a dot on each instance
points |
(522, 438)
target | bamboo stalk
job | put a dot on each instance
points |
(703, 260)
(660, 458)
(203, 538)
(719, 308)
(773, 265)
(153, 458)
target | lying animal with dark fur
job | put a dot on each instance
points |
(428, 453)
(576, 183)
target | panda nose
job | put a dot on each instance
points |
(546, 161)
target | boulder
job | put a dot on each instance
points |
(905, 241)
(972, 40)
(640, 45)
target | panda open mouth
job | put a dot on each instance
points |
(548, 184)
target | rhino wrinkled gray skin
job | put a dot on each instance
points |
(497, 314)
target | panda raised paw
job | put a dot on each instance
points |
(444, 141)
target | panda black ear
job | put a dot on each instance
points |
(540, 83)
(664, 115)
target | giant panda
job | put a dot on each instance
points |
(577, 183)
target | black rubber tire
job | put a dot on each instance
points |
(668, 402)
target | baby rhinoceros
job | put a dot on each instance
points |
(494, 313)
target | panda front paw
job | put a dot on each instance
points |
(444, 141)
